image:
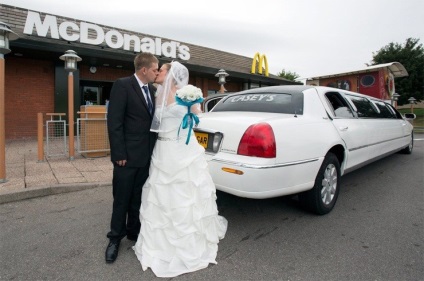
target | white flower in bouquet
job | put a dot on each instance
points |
(189, 93)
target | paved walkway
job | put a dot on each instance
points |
(26, 177)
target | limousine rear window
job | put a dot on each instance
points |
(263, 102)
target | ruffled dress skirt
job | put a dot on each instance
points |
(180, 225)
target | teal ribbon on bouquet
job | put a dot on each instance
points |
(189, 118)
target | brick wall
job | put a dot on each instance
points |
(29, 89)
(107, 74)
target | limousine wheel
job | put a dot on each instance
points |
(323, 196)
(408, 149)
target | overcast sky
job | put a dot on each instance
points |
(309, 37)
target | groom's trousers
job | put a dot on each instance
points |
(127, 187)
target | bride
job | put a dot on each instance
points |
(180, 225)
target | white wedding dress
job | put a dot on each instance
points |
(180, 225)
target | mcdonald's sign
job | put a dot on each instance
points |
(262, 63)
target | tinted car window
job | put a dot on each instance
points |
(363, 106)
(340, 107)
(384, 110)
(394, 111)
(263, 102)
(212, 100)
(210, 104)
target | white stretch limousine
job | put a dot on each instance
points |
(282, 140)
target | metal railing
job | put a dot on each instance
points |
(55, 135)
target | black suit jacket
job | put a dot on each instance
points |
(129, 121)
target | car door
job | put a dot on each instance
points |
(390, 129)
(353, 130)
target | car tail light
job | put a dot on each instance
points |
(258, 141)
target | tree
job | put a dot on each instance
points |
(411, 56)
(292, 76)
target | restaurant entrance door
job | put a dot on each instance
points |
(95, 92)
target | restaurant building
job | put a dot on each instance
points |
(376, 80)
(36, 81)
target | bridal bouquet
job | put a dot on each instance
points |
(187, 96)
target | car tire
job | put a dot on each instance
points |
(408, 149)
(323, 196)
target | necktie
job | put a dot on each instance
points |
(149, 102)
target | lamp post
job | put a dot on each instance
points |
(6, 34)
(70, 57)
(412, 101)
(395, 97)
(221, 79)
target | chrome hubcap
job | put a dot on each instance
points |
(329, 184)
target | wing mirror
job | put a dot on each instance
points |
(410, 116)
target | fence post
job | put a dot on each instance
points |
(2, 122)
(40, 137)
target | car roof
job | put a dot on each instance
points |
(295, 89)
(286, 88)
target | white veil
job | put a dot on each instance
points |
(176, 78)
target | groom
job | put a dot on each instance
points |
(129, 117)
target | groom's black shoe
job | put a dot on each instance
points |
(112, 251)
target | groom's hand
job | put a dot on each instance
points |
(121, 162)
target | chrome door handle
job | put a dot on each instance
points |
(343, 128)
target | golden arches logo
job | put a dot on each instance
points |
(262, 63)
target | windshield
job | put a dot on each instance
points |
(262, 102)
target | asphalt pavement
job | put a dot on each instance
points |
(375, 232)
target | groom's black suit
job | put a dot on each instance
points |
(129, 121)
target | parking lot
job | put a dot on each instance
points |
(374, 233)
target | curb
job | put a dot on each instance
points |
(41, 191)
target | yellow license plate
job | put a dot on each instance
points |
(202, 138)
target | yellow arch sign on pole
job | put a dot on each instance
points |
(262, 63)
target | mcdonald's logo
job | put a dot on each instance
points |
(262, 63)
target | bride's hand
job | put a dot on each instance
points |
(196, 108)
